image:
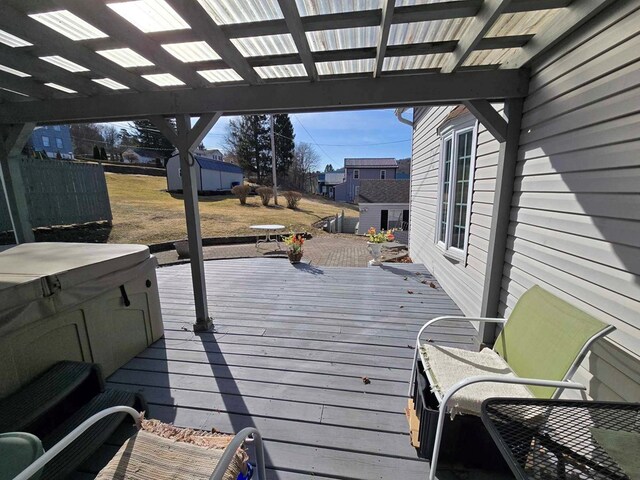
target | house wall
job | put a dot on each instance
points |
(462, 280)
(370, 214)
(575, 221)
(365, 174)
(340, 192)
(59, 137)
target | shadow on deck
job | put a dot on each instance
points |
(288, 355)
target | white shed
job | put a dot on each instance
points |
(212, 175)
(384, 205)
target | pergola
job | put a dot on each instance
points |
(66, 61)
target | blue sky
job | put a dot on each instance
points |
(336, 135)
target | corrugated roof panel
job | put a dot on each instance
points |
(60, 87)
(282, 71)
(163, 79)
(62, 62)
(415, 62)
(407, 3)
(490, 57)
(343, 38)
(112, 84)
(150, 15)
(221, 75)
(345, 67)
(265, 45)
(225, 12)
(523, 23)
(433, 31)
(125, 57)
(68, 24)
(13, 41)
(323, 7)
(13, 91)
(13, 71)
(191, 51)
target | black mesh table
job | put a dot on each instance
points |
(549, 439)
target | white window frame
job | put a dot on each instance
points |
(59, 143)
(451, 131)
(356, 192)
(383, 174)
(356, 174)
(46, 144)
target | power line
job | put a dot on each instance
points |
(311, 136)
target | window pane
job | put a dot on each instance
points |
(446, 181)
(463, 170)
(394, 219)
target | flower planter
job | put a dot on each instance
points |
(375, 250)
(182, 247)
(294, 257)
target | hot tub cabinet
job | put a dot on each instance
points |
(71, 301)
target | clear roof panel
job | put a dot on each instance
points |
(343, 38)
(163, 79)
(225, 12)
(407, 3)
(13, 91)
(62, 62)
(220, 76)
(433, 31)
(125, 57)
(60, 87)
(323, 7)
(344, 67)
(282, 71)
(415, 62)
(13, 41)
(13, 71)
(191, 51)
(69, 25)
(490, 57)
(523, 23)
(150, 15)
(265, 45)
(112, 84)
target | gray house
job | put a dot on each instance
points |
(568, 207)
(357, 169)
(384, 205)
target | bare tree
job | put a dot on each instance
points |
(111, 139)
(305, 161)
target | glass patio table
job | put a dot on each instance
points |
(566, 439)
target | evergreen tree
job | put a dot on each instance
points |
(328, 168)
(285, 145)
(103, 154)
(148, 136)
(249, 142)
(96, 152)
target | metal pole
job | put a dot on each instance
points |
(273, 162)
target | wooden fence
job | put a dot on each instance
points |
(61, 193)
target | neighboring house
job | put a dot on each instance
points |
(212, 153)
(52, 139)
(404, 169)
(143, 155)
(573, 222)
(212, 175)
(328, 181)
(357, 169)
(384, 205)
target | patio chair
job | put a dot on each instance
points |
(538, 351)
(165, 452)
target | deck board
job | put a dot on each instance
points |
(288, 353)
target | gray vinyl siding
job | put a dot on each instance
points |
(463, 280)
(575, 220)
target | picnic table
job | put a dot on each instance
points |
(268, 231)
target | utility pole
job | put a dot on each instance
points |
(273, 161)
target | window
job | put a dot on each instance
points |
(45, 141)
(383, 174)
(356, 192)
(56, 128)
(394, 219)
(456, 177)
(356, 174)
(59, 143)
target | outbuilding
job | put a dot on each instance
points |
(212, 175)
(384, 205)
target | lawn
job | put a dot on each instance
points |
(143, 212)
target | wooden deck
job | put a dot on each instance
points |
(288, 355)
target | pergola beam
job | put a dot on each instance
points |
(201, 22)
(17, 21)
(12, 140)
(185, 138)
(572, 17)
(383, 35)
(480, 25)
(489, 117)
(294, 24)
(343, 94)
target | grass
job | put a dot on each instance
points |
(143, 212)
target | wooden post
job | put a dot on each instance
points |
(12, 140)
(185, 139)
(273, 161)
(507, 159)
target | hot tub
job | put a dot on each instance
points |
(74, 301)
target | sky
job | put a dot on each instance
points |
(338, 135)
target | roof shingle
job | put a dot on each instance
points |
(384, 191)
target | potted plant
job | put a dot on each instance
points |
(376, 239)
(182, 248)
(294, 245)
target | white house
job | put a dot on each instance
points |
(143, 155)
(384, 205)
(212, 175)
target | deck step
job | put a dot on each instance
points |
(53, 396)
(85, 445)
